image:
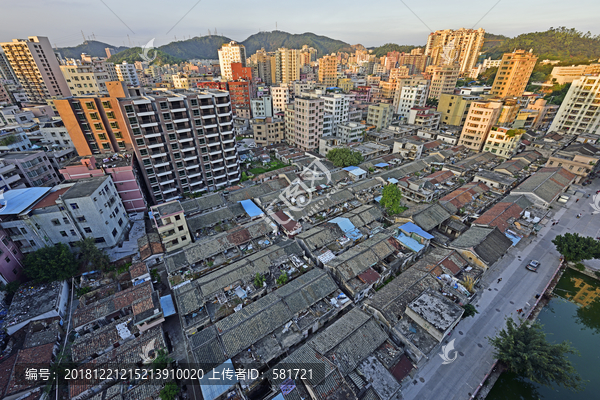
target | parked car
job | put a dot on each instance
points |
(533, 265)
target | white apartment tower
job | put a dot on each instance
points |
(36, 67)
(231, 52)
(410, 92)
(127, 73)
(579, 112)
(281, 96)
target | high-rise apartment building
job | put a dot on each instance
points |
(454, 108)
(410, 92)
(183, 141)
(127, 73)
(263, 66)
(580, 110)
(380, 115)
(307, 126)
(6, 71)
(513, 74)
(481, 118)
(308, 55)
(88, 75)
(281, 96)
(267, 130)
(336, 105)
(36, 67)
(449, 46)
(231, 52)
(443, 80)
(328, 70)
(287, 65)
(262, 107)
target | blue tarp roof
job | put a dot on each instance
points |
(166, 303)
(514, 239)
(410, 243)
(409, 227)
(351, 168)
(378, 199)
(393, 180)
(213, 388)
(16, 201)
(251, 209)
(358, 171)
(348, 228)
(382, 165)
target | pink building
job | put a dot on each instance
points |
(10, 260)
(120, 168)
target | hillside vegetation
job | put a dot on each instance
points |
(271, 41)
(133, 54)
(204, 47)
(90, 47)
(569, 45)
(383, 50)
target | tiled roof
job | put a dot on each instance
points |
(431, 217)
(97, 341)
(546, 183)
(488, 243)
(499, 215)
(138, 269)
(463, 195)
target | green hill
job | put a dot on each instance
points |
(560, 43)
(271, 41)
(133, 54)
(490, 41)
(383, 50)
(90, 47)
(198, 47)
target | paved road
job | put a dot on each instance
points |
(459, 379)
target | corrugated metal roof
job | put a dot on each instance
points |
(18, 200)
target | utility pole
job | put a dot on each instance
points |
(82, 35)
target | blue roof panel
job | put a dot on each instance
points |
(16, 201)
(409, 227)
(216, 382)
(410, 243)
(350, 168)
(393, 180)
(382, 165)
(166, 303)
(251, 209)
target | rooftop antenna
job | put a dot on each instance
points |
(84, 41)
(129, 40)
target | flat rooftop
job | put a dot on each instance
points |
(84, 187)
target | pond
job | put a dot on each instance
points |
(572, 315)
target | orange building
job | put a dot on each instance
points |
(513, 74)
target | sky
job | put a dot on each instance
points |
(370, 23)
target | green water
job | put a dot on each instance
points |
(572, 315)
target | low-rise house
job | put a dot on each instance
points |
(413, 238)
(482, 246)
(151, 247)
(435, 313)
(94, 343)
(139, 273)
(147, 312)
(495, 180)
(528, 156)
(512, 167)
(203, 204)
(502, 215)
(464, 196)
(33, 303)
(426, 216)
(545, 186)
(169, 220)
(580, 159)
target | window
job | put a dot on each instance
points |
(99, 240)
(73, 233)
(164, 106)
(63, 233)
(180, 228)
(74, 206)
(120, 221)
(106, 146)
(23, 231)
(114, 232)
(81, 219)
(143, 152)
(66, 220)
(5, 241)
(175, 146)
(177, 218)
(98, 126)
(169, 127)
(55, 222)
(167, 116)
(101, 136)
(121, 144)
(7, 259)
(140, 142)
(114, 125)
(118, 135)
(194, 102)
(87, 230)
(177, 156)
(129, 108)
(179, 164)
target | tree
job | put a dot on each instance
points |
(162, 359)
(526, 352)
(344, 157)
(432, 101)
(558, 94)
(259, 280)
(169, 392)
(390, 199)
(91, 256)
(577, 248)
(50, 263)
(470, 310)
(282, 280)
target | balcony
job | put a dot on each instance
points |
(184, 130)
(167, 182)
(149, 124)
(206, 106)
(232, 157)
(215, 152)
(191, 158)
(152, 135)
(216, 168)
(164, 173)
(234, 179)
(224, 175)
(169, 190)
(193, 166)
(186, 149)
(227, 104)
(196, 183)
(181, 120)
(221, 183)
(212, 134)
(157, 155)
(195, 175)
(232, 172)
(185, 140)
(207, 115)
(212, 125)
(228, 140)
(229, 132)
(178, 110)
(164, 164)
(145, 113)
(155, 145)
